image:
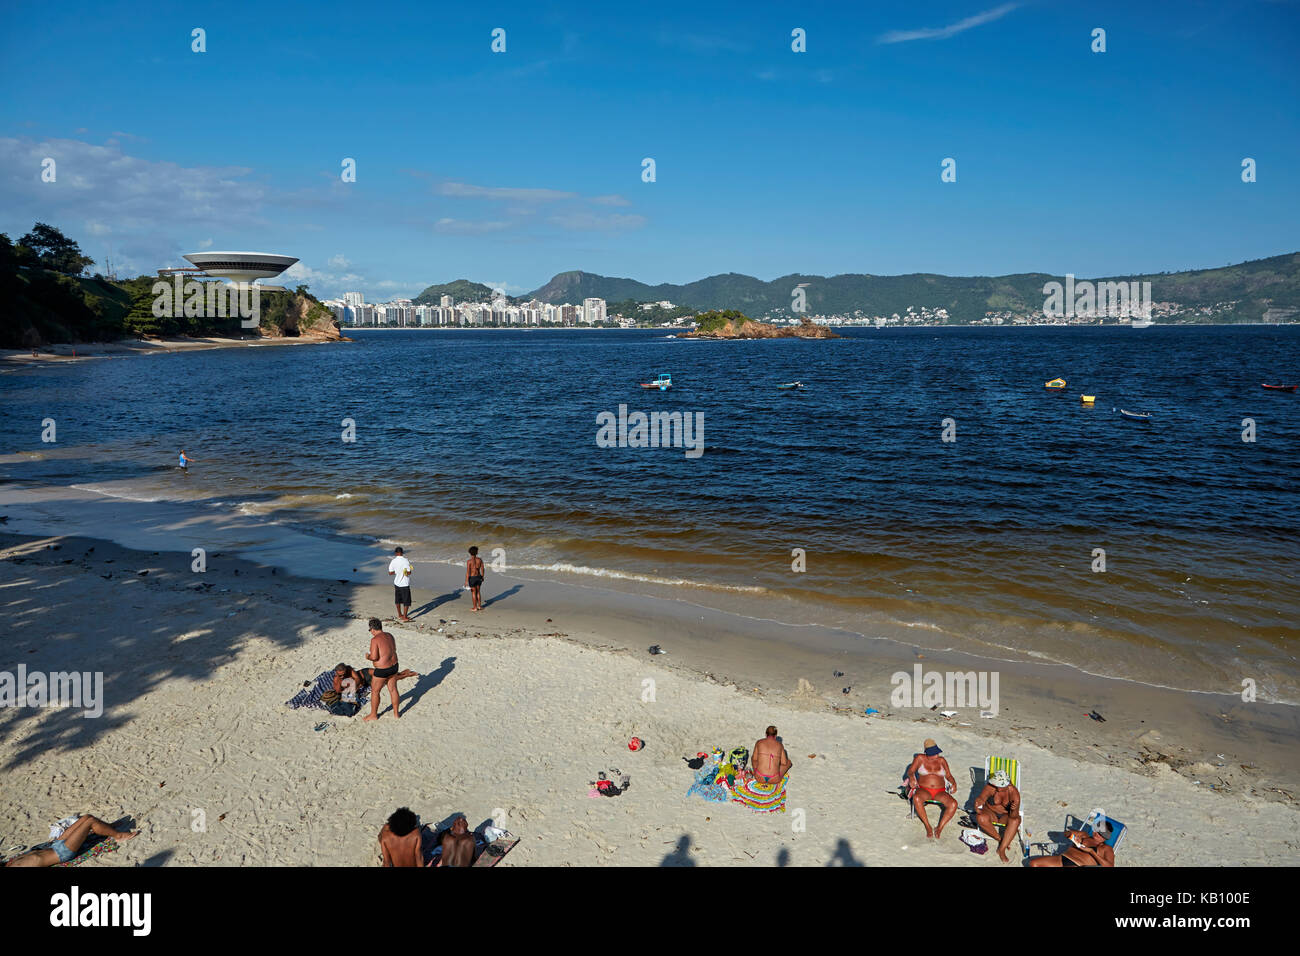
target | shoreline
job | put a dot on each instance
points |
(514, 714)
(1202, 736)
(63, 353)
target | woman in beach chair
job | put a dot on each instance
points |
(930, 780)
(1089, 849)
(998, 805)
(68, 843)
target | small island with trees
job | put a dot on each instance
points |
(731, 324)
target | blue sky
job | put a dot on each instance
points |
(509, 167)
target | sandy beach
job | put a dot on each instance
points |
(517, 710)
(125, 348)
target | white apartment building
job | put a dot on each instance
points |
(353, 298)
(593, 310)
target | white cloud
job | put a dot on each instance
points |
(466, 191)
(942, 33)
(463, 227)
(590, 222)
(611, 200)
(339, 262)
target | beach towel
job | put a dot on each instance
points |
(92, 851)
(761, 797)
(706, 785)
(311, 696)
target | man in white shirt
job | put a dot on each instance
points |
(399, 569)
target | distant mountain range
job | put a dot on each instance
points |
(1253, 287)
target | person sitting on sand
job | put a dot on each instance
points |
(457, 845)
(999, 803)
(769, 762)
(474, 577)
(1089, 849)
(363, 676)
(68, 844)
(929, 778)
(383, 653)
(399, 839)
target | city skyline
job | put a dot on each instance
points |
(510, 167)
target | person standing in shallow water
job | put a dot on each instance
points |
(474, 577)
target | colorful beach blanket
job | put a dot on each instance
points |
(311, 696)
(761, 797)
(705, 784)
(107, 845)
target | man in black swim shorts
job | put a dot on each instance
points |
(383, 653)
(474, 577)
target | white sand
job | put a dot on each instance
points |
(515, 728)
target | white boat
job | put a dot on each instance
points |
(1141, 323)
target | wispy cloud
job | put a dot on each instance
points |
(590, 222)
(466, 191)
(942, 33)
(611, 201)
(464, 227)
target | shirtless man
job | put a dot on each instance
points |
(929, 778)
(457, 845)
(68, 845)
(399, 840)
(769, 760)
(474, 578)
(1088, 850)
(999, 803)
(383, 653)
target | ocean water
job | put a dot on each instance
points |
(988, 544)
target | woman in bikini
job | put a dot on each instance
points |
(930, 779)
(1089, 849)
(770, 763)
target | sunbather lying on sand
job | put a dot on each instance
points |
(929, 778)
(362, 676)
(68, 845)
(1089, 849)
(457, 845)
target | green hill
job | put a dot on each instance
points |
(462, 290)
(1254, 287)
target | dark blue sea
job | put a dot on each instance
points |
(992, 543)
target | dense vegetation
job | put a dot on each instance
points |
(462, 290)
(48, 300)
(714, 320)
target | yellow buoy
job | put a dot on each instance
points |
(1088, 399)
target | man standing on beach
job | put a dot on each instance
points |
(399, 569)
(474, 577)
(383, 653)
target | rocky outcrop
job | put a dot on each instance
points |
(750, 329)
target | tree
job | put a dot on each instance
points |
(55, 251)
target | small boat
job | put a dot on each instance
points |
(1088, 399)
(1282, 388)
(1134, 416)
(663, 382)
(1055, 383)
(1141, 324)
(791, 385)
